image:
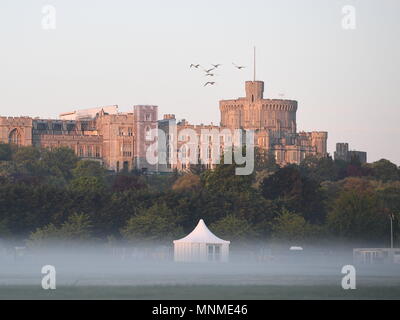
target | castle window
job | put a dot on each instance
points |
(183, 152)
(148, 134)
(126, 166)
(15, 137)
(89, 151)
(57, 127)
(81, 154)
(84, 126)
(42, 126)
(70, 127)
(130, 132)
(278, 155)
(126, 150)
(148, 117)
(97, 152)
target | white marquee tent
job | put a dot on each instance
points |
(201, 245)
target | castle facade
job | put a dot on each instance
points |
(120, 140)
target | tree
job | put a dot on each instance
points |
(152, 225)
(88, 176)
(27, 160)
(77, 228)
(320, 169)
(265, 160)
(357, 216)
(295, 192)
(197, 169)
(187, 182)
(292, 227)
(5, 152)
(385, 170)
(265, 166)
(4, 231)
(224, 178)
(128, 182)
(26, 207)
(60, 161)
(234, 228)
(85, 185)
(89, 168)
(49, 234)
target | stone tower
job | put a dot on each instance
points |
(254, 90)
(274, 124)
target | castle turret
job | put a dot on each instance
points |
(319, 140)
(254, 90)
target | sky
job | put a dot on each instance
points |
(129, 52)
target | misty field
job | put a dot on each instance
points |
(253, 292)
(88, 275)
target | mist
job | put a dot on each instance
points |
(88, 265)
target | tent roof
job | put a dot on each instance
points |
(201, 234)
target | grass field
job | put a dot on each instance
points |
(261, 292)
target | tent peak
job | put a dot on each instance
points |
(201, 234)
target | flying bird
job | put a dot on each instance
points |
(194, 66)
(216, 65)
(209, 83)
(239, 67)
(209, 70)
(210, 75)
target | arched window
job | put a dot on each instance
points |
(183, 151)
(15, 137)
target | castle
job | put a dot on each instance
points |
(273, 122)
(120, 140)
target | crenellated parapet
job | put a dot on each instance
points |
(264, 104)
(16, 130)
(255, 112)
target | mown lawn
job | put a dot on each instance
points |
(197, 292)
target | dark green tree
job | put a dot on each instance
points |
(385, 170)
(5, 152)
(233, 228)
(156, 224)
(358, 216)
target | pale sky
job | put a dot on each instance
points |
(129, 52)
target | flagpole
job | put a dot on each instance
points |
(254, 64)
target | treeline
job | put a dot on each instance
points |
(50, 195)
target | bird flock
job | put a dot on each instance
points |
(210, 72)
